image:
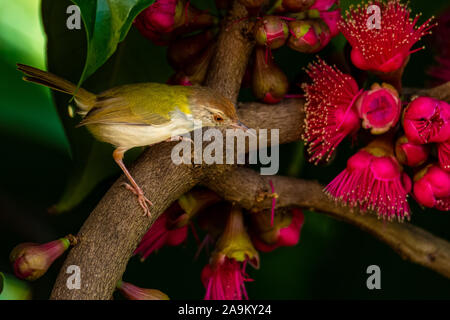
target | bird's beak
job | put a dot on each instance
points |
(241, 126)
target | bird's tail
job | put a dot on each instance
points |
(84, 99)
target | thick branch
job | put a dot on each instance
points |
(245, 186)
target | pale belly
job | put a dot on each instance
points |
(130, 136)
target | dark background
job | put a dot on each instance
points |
(330, 261)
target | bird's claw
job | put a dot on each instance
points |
(142, 199)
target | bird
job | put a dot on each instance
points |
(141, 114)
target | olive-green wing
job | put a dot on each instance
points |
(139, 104)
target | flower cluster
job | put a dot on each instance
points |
(377, 178)
(304, 26)
(236, 240)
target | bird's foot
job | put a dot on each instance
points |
(180, 138)
(142, 199)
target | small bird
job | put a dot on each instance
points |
(142, 114)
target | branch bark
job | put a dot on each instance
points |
(246, 186)
(113, 230)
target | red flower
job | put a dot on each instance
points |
(373, 180)
(385, 49)
(330, 109)
(444, 155)
(162, 232)
(411, 154)
(225, 280)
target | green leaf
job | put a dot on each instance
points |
(107, 23)
(135, 60)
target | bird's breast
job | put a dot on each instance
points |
(130, 136)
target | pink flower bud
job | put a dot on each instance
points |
(427, 120)
(324, 5)
(269, 83)
(308, 36)
(31, 260)
(444, 155)
(409, 153)
(271, 31)
(284, 232)
(432, 188)
(132, 292)
(379, 108)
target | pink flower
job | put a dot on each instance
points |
(285, 231)
(131, 292)
(31, 260)
(379, 108)
(373, 180)
(225, 280)
(432, 188)
(409, 153)
(386, 49)
(162, 17)
(171, 228)
(163, 232)
(444, 155)
(324, 5)
(330, 109)
(271, 31)
(427, 120)
(224, 276)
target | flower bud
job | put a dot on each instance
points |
(269, 83)
(432, 188)
(297, 5)
(379, 108)
(284, 232)
(32, 260)
(131, 292)
(194, 73)
(235, 243)
(323, 5)
(444, 155)
(271, 31)
(308, 36)
(182, 51)
(409, 153)
(427, 120)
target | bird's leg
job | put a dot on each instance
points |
(143, 201)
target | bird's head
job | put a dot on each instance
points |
(214, 110)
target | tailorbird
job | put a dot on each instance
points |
(141, 114)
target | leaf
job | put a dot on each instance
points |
(135, 60)
(107, 23)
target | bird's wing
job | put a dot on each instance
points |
(134, 105)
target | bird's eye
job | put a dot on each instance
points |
(218, 118)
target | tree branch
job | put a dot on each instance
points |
(246, 186)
